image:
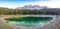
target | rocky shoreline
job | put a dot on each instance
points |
(4, 25)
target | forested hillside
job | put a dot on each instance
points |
(7, 11)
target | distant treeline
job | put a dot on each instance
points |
(7, 11)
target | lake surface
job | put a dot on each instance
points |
(29, 20)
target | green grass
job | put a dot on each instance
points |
(30, 19)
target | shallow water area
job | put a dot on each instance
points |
(30, 20)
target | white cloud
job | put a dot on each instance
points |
(9, 5)
(51, 3)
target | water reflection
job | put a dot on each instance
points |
(22, 23)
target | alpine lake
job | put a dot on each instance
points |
(31, 20)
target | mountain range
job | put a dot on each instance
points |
(32, 7)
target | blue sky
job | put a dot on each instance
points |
(21, 0)
(21, 3)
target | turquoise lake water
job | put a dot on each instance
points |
(28, 21)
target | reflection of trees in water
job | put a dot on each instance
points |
(30, 19)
